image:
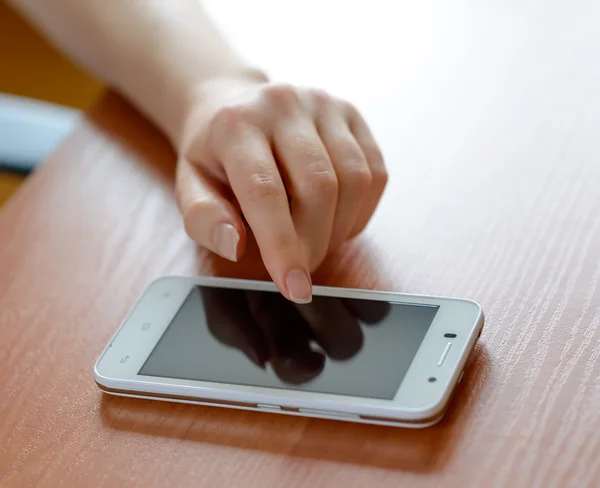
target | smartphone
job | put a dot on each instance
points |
(355, 355)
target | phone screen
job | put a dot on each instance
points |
(332, 345)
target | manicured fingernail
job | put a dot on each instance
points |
(299, 286)
(225, 240)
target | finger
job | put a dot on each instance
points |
(209, 218)
(311, 181)
(335, 329)
(230, 321)
(288, 336)
(256, 182)
(379, 176)
(353, 174)
(371, 312)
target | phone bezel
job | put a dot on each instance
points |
(416, 398)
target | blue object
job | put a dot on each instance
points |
(30, 130)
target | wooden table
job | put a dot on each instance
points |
(489, 116)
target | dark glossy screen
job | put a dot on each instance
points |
(332, 345)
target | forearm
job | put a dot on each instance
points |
(155, 52)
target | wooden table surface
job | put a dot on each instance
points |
(489, 117)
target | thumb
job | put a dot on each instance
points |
(208, 216)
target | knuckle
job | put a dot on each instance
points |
(323, 183)
(319, 96)
(373, 153)
(380, 177)
(357, 177)
(376, 155)
(229, 118)
(282, 95)
(263, 186)
(349, 109)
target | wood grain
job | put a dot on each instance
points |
(488, 114)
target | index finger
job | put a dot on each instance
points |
(255, 180)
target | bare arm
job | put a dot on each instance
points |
(301, 165)
(155, 52)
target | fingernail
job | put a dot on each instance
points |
(225, 240)
(299, 286)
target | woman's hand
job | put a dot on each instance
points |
(298, 165)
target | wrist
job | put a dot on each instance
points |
(206, 95)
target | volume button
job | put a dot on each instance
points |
(266, 406)
(328, 413)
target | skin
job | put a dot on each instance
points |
(296, 166)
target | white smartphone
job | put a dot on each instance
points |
(356, 355)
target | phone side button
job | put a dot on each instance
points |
(327, 413)
(265, 406)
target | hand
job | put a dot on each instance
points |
(300, 166)
(267, 327)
